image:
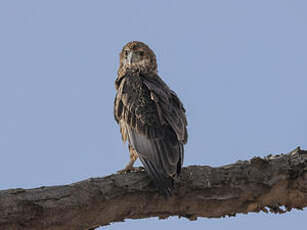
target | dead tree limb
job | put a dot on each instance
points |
(275, 183)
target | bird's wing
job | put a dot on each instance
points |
(170, 106)
(155, 140)
(160, 156)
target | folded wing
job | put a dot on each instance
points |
(153, 120)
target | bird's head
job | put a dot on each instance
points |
(137, 56)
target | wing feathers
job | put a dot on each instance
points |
(171, 107)
(152, 119)
(161, 157)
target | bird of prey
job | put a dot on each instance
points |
(150, 115)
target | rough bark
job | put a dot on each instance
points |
(275, 183)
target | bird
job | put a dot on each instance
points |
(151, 117)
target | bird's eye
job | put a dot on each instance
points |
(141, 53)
(126, 53)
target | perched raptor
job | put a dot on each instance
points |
(150, 115)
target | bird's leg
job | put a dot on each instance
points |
(133, 158)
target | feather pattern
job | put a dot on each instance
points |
(151, 117)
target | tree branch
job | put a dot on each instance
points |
(275, 183)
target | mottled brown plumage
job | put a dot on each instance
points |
(150, 115)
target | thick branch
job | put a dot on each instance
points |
(246, 186)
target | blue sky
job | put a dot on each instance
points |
(238, 66)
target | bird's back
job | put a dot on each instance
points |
(155, 141)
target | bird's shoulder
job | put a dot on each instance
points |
(133, 104)
(145, 101)
(171, 107)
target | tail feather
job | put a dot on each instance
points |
(162, 157)
(164, 183)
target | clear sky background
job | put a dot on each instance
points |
(240, 68)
